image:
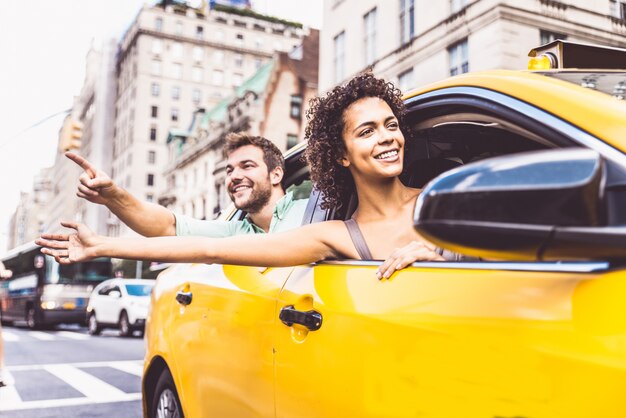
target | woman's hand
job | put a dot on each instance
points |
(71, 248)
(405, 256)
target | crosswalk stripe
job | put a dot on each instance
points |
(9, 336)
(43, 336)
(129, 367)
(9, 393)
(88, 385)
(53, 403)
(82, 365)
(73, 335)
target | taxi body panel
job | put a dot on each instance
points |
(496, 342)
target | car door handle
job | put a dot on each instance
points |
(184, 298)
(310, 319)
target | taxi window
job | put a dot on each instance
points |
(446, 142)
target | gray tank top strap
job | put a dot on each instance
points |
(357, 239)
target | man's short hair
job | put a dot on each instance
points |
(271, 154)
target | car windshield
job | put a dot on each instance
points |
(95, 270)
(138, 289)
(608, 82)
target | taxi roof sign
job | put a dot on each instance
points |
(565, 54)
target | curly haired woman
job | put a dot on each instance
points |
(355, 142)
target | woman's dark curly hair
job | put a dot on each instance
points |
(324, 131)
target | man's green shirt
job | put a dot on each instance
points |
(287, 215)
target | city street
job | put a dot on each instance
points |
(65, 372)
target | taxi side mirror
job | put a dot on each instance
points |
(532, 206)
(115, 294)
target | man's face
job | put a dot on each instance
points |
(247, 179)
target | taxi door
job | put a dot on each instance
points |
(221, 339)
(446, 340)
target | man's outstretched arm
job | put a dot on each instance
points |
(145, 218)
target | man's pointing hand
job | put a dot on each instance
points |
(95, 185)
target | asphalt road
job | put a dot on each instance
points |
(65, 372)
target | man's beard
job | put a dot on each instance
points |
(258, 199)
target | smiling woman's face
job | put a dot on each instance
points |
(373, 140)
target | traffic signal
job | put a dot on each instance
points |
(71, 134)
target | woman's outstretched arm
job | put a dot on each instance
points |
(299, 246)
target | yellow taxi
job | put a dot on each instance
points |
(533, 186)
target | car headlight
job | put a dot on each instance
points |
(50, 304)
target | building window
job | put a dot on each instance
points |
(150, 197)
(459, 62)
(295, 108)
(618, 9)
(238, 60)
(175, 92)
(150, 181)
(546, 37)
(153, 133)
(218, 56)
(457, 5)
(155, 89)
(177, 50)
(154, 111)
(158, 24)
(405, 80)
(369, 42)
(219, 35)
(407, 20)
(339, 56)
(257, 63)
(174, 114)
(237, 80)
(198, 53)
(177, 71)
(196, 96)
(292, 140)
(155, 68)
(258, 43)
(196, 74)
(151, 157)
(199, 32)
(218, 78)
(157, 46)
(239, 39)
(179, 28)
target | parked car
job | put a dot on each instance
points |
(119, 303)
(535, 327)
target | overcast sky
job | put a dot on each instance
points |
(43, 45)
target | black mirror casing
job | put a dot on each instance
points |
(513, 206)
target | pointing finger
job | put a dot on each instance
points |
(83, 163)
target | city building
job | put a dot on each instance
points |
(92, 110)
(413, 42)
(29, 219)
(272, 103)
(173, 60)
